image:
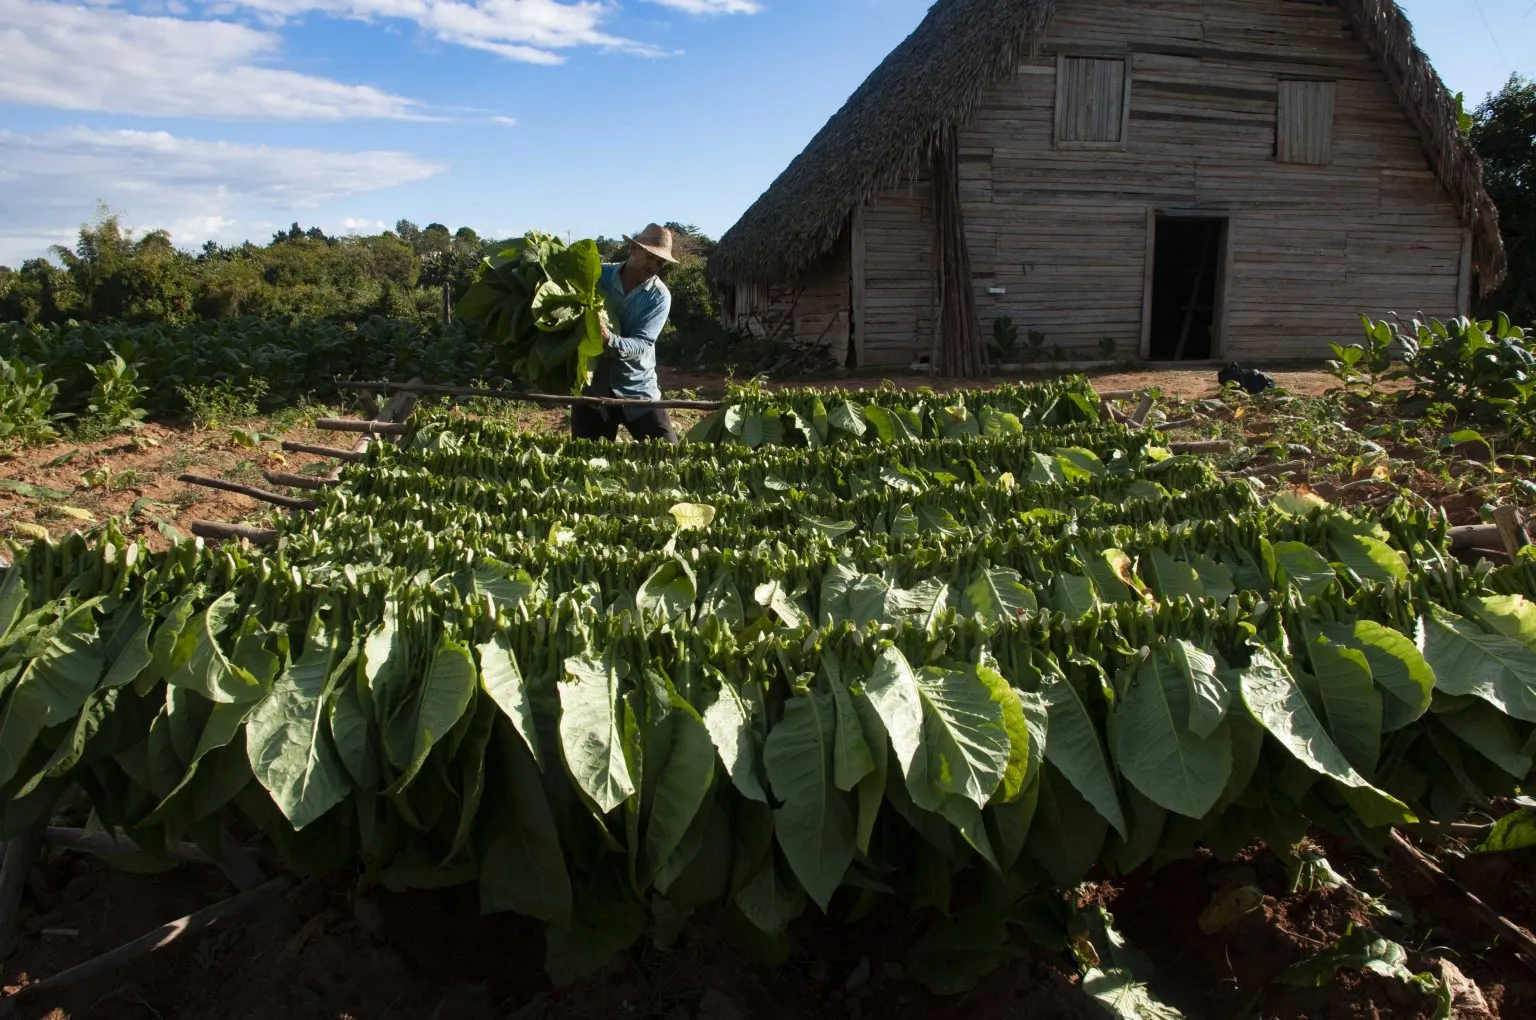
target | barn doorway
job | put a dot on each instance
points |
(1188, 254)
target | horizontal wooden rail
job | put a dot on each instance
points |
(1211, 446)
(552, 399)
(287, 502)
(350, 456)
(129, 952)
(219, 529)
(298, 481)
(371, 428)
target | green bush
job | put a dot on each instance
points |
(26, 406)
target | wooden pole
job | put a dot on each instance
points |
(1511, 530)
(104, 844)
(219, 530)
(142, 946)
(1525, 944)
(1211, 446)
(552, 399)
(372, 428)
(350, 456)
(287, 502)
(19, 855)
(1474, 536)
(298, 481)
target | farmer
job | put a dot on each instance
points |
(639, 302)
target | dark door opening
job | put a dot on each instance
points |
(1186, 270)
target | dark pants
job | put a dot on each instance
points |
(589, 422)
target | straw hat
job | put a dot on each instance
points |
(655, 239)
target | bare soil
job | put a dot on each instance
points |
(420, 955)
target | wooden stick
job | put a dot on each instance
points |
(104, 844)
(1211, 446)
(372, 428)
(219, 529)
(1511, 530)
(240, 867)
(19, 855)
(1471, 536)
(1274, 469)
(142, 946)
(298, 481)
(1424, 866)
(245, 490)
(551, 399)
(350, 456)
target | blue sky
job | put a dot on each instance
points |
(230, 118)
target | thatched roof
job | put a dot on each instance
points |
(937, 76)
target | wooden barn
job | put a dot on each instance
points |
(1191, 179)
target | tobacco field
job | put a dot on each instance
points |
(837, 651)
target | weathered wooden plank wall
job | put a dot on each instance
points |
(1064, 231)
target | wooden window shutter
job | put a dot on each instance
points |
(1092, 95)
(1304, 122)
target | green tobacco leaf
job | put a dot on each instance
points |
(998, 594)
(1305, 568)
(1126, 996)
(286, 737)
(1016, 725)
(1397, 665)
(669, 592)
(207, 671)
(1511, 615)
(729, 721)
(1156, 749)
(1351, 701)
(1170, 578)
(445, 695)
(1073, 595)
(852, 758)
(1076, 750)
(679, 779)
(1215, 578)
(1370, 558)
(503, 682)
(1467, 660)
(1358, 949)
(590, 737)
(52, 689)
(815, 827)
(965, 748)
(1209, 694)
(1271, 694)
(522, 867)
(1515, 831)
(1489, 732)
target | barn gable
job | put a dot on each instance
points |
(1066, 122)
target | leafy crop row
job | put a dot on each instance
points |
(609, 685)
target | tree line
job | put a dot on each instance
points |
(410, 272)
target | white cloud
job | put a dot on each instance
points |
(712, 6)
(107, 59)
(197, 189)
(532, 31)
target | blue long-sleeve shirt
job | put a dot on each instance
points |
(628, 365)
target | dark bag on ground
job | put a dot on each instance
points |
(1250, 379)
